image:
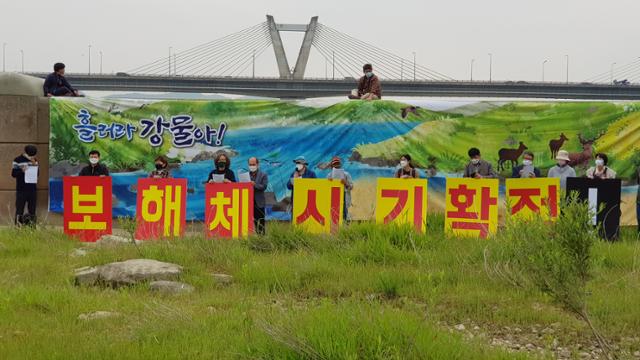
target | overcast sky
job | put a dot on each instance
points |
(445, 35)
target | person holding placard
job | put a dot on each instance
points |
(25, 171)
(478, 168)
(222, 172)
(406, 169)
(338, 173)
(95, 168)
(302, 171)
(526, 169)
(601, 170)
(161, 169)
(260, 182)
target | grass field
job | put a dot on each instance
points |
(368, 292)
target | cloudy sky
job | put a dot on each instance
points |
(445, 35)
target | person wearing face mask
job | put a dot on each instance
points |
(26, 193)
(562, 170)
(302, 171)
(338, 173)
(478, 168)
(406, 170)
(222, 167)
(601, 171)
(368, 86)
(260, 182)
(95, 168)
(162, 168)
(526, 170)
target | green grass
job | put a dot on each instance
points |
(369, 292)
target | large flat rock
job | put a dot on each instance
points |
(128, 272)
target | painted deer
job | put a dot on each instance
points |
(556, 144)
(583, 158)
(511, 155)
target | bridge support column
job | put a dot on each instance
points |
(305, 49)
(276, 41)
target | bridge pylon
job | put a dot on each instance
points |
(305, 48)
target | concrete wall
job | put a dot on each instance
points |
(23, 120)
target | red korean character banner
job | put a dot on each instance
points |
(402, 201)
(527, 197)
(471, 207)
(318, 205)
(87, 207)
(228, 209)
(161, 208)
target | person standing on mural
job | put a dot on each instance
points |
(338, 173)
(95, 168)
(57, 85)
(406, 170)
(526, 169)
(562, 170)
(477, 168)
(162, 169)
(601, 171)
(368, 86)
(222, 170)
(26, 192)
(260, 182)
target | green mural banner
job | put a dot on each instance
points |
(369, 136)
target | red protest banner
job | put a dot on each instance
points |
(87, 207)
(161, 208)
(228, 209)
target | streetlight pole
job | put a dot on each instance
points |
(472, 61)
(333, 64)
(89, 59)
(170, 47)
(253, 64)
(490, 66)
(414, 66)
(4, 50)
(22, 60)
(611, 74)
(100, 62)
(544, 62)
(567, 57)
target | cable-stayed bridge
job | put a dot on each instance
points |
(227, 65)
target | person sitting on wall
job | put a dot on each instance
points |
(95, 168)
(57, 85)
(368, 86)
(478, 168)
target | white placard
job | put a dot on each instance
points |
(31, 175)
(337, 174)
(218, 178)
(244, 177)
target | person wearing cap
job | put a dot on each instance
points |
(527, 162)
(338, 173)
(562, 169)
(601, 171)
(26, 193)
(302, 171)
(477, 168)
(368, 86)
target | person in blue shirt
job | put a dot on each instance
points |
(518, 171)
(302, 171)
